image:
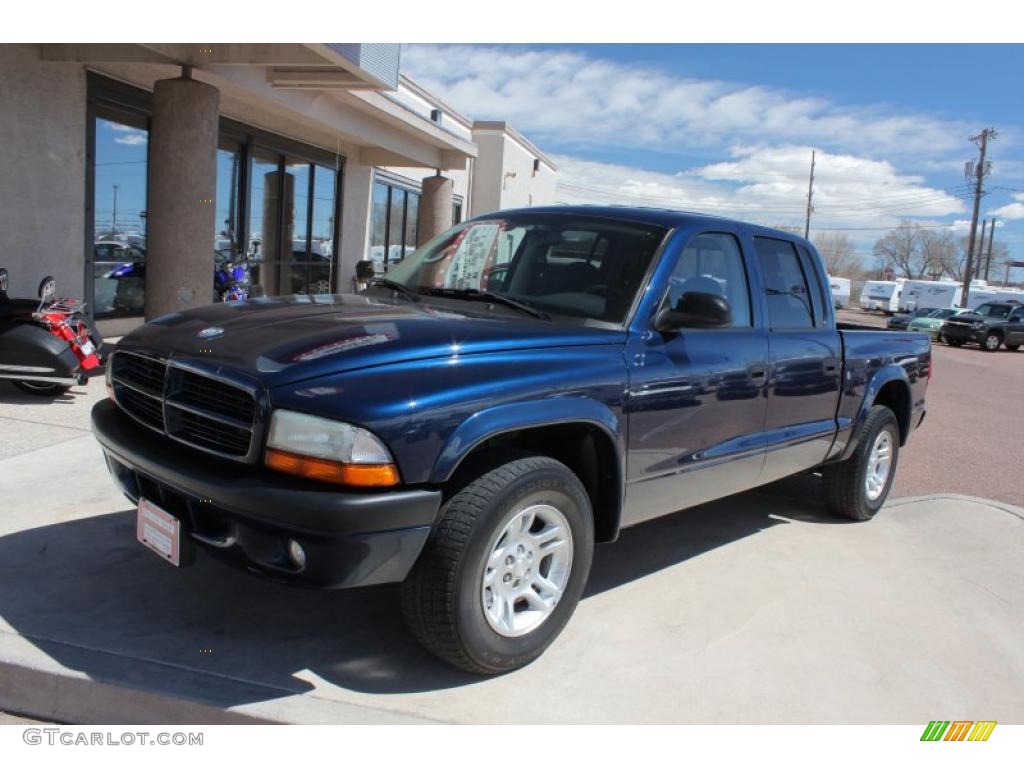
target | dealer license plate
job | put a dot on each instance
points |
(160, 531)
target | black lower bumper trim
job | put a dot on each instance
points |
(249, 516)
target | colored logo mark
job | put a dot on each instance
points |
(958, 730)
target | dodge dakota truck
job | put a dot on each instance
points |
(518, 389)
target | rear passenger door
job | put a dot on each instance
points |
(804, 358)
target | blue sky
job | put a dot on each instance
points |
(730, 128)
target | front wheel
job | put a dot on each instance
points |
(504, 568)
(41, 388)
(991, 342)
(857, 487)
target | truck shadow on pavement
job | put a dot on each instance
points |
(88, 595)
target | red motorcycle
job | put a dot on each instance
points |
(46, 347)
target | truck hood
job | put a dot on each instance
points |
(289, 339)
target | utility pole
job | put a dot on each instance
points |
(810, 197)
(979, 172)
(988, 258)
(981, 249)
(113, 225)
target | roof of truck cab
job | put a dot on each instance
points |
(665, 217)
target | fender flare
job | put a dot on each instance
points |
(883, 376)
(532, 414)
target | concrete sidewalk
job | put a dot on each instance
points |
(756, 609)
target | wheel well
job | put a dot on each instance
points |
(585, 448)
(895, 396)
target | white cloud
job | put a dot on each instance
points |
(767, 185)
(132, 139)
(578, 100)
(1014, 210)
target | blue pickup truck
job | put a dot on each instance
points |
(520, 388)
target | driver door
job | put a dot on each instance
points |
(696, 398)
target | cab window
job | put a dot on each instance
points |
(713, 263)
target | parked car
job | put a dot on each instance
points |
(990, 326)
(901, 321)
(931, 323)
(525, 386)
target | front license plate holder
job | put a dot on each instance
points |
(160, 531)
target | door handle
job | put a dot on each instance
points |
(757, 371)
(831, 367)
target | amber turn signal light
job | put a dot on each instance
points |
(358, 475)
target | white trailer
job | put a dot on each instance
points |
(881, 295)
(930, 294)
(979, 296)
(840, 287)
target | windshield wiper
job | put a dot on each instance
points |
(405, 290)
(472, 294)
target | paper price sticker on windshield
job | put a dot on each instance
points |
(467, 268)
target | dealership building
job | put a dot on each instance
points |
(132, 171)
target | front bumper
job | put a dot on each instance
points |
(963, 333)
(247, 515)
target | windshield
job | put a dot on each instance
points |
(570, 265)
(941, 313)
(1000, 311)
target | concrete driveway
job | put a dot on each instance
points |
(755, 609)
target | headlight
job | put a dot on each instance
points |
(328, 450)
(977, 326)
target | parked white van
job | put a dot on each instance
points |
(883, 295)
(929, 294)
(840, 287)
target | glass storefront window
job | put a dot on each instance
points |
(378, 225)
(119, 250)
(321, 237)
(396, 221)
(412, 212)
(393, 224)
(263, 222)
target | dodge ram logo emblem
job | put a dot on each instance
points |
(209, 333)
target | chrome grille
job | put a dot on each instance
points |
(186, 404)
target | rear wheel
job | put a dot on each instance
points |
(504, 568)
(41, 388)
(857, 487)
(991, 342)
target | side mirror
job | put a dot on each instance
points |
(47, 288)
(3, 280)
(694, 310)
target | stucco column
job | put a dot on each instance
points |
(435, 214)
(182, 186)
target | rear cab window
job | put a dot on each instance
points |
(787, 285)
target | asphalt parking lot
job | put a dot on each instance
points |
(754, 609)
(970, 440)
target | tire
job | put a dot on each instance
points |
(41, 389)
(445, 597)
(1012, 347)
(991, 342)
(845, 483)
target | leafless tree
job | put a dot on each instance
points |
(840, 256)
(941, 253)
(900, 248)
